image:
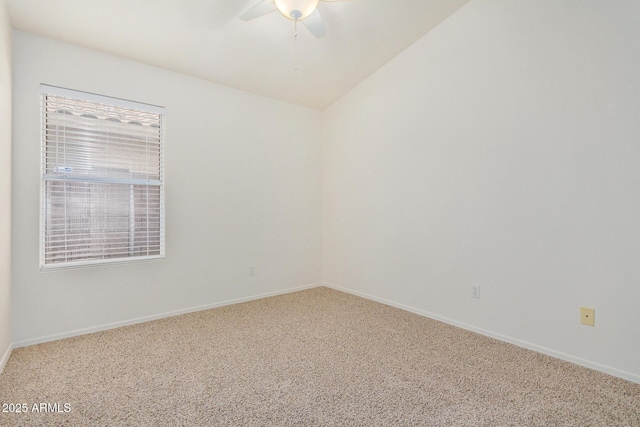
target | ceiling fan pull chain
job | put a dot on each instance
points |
(295, 46)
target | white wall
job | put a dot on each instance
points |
(5, 185)
(243, 187)
(500, 149)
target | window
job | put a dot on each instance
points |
(102, 180)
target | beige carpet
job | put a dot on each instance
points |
(312, 358)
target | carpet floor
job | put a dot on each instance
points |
(317, 357)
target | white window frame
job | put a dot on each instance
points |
(114, 102)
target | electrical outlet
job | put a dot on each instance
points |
(252, 270)
(475, 291)
(587, 316)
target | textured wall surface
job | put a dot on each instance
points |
(242, 188)
(502, 150)
(5, 185)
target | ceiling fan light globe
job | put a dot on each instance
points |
(296, 9)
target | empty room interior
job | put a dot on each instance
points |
(362, 212)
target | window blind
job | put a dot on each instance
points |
(102, 180)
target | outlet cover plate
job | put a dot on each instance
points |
(587, 316)
(475, 291)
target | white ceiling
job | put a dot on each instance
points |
(205, 38)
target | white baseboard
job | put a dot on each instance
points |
(549, 352)
(76, 332)
(5, 357)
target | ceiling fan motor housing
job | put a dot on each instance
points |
(296, 9)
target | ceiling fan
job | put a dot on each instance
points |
(305, 11)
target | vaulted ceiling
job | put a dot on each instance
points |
(205, 39)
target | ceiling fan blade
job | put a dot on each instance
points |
(262, 8)
(315, 25)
